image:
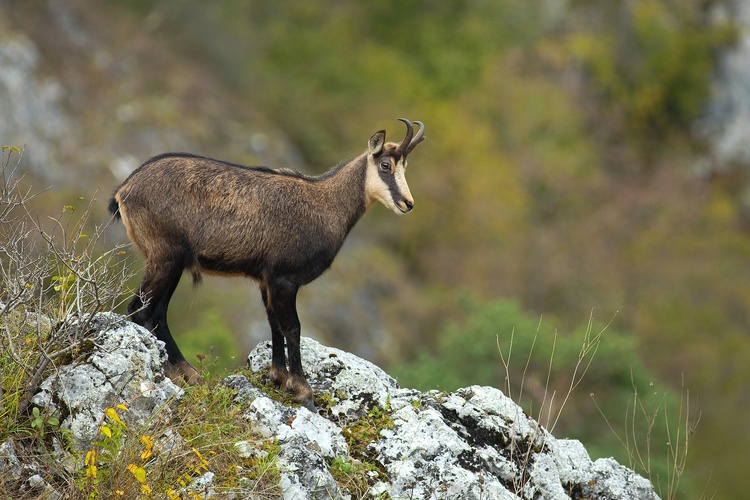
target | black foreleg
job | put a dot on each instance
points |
(282, 298)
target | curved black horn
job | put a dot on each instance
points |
(417, 138)
(402, 148)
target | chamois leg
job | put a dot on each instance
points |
(283, 300)
(277, 373)
(158, 284)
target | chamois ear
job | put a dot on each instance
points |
(376, 142)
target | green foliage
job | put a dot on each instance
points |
(491, 329)
(476, 342)
(22, 334)
(211, 414)
(139, 463)
(371, 59)
(651, 60)
(101, 460)
(209, 335)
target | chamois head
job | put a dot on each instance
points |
(386, 168)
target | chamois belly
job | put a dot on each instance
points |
(301, 266)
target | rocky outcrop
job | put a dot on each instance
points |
(726, 119)
(471, 443)
(124, 366)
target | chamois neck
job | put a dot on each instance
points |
(344, 188)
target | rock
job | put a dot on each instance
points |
(10, 465)
(306, 439)
(726, 120)
(41, 489)
(33, 113)
(610, 480)
(351, 381)
(472, 443)
(123, 366)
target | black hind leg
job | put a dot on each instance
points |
(278, 372)
(149, 309)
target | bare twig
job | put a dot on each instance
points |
(59, 272)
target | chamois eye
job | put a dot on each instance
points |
(385, 166)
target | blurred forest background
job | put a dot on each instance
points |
(584, 183)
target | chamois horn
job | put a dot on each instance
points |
(410, 140)
(417, 138)
(403, 148)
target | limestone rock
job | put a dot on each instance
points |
(472, 443)
(10, 465)
(123, 366)
(307, 440)
(349, 380)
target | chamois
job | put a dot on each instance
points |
(279, 227)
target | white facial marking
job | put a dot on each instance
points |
(377, 189)
(400, 176)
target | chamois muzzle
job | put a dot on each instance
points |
(405, 206)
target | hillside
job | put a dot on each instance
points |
(581, 179)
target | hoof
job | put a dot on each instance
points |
(278, 377)
(182, 373)
(303, 394)
(307, 403)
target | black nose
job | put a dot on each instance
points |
(409, 205)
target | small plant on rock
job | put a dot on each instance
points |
(40, 421)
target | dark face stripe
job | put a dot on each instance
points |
(389, 178)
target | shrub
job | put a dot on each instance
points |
(53, 278)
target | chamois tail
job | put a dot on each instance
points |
(114, 208)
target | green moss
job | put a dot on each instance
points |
(355, 477)
(362, 468)
(262, 382)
